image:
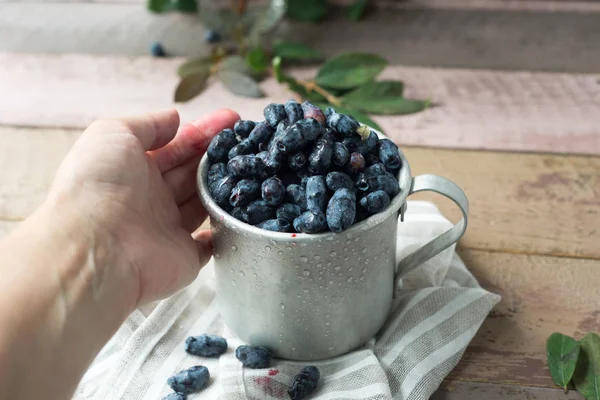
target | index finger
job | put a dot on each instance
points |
(193, 139)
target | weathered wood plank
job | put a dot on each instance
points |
(540, 295)
(6, 227)
(28, 161)
(490, 37)
(456, 390)
(535, 5)
(528, 203)
(475, 109)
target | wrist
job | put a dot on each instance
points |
(96, 274)
(64, 292)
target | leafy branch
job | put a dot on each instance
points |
(575, 362)
(240, 58)
(299, 10)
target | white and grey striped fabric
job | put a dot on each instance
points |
(440, 309)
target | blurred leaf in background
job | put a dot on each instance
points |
(162, 6)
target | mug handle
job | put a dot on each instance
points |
(450, 190)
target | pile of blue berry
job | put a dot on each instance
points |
(302, 170)
(196, 378)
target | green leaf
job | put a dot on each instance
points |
(360, 117)
(192, 85)
(357, 10)
(240, 84)
(236, 64)
(307, 10)
(383, 98)
(587, 372)
(562, 354)
(295, 51)
(265, 21)
(161, 6)
(276, 63)
(350, 70)
(257, 60)
(373, 90)
(192, 65)
(270, 17)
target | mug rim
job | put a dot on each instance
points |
(219, 214)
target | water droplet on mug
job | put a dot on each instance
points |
(329, 264)
(350, 269)
(327, 323)
(261, 257)
(268, 248)
(345, 258)
(306, 290)
(350, 279)
(348, 241)
(288, 248)
(337, 267)
(353, 250)
(367, 261)
(234, 247)
(217, 256)
(345, 249)
(304, 259)
(374, 257)
(306, 272)
(283, 308)
(231, 269)
(233, 282)
(319, 265)
(356, 239)
(293, 349)
(333, 254)
(339, 283)
(242, 273)
(362, 278)
(317, 258)
(364, 250)
(330, 282)
(331, 348)
(296, 266)
(280, 252)
(255, 275)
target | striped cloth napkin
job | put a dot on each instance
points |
(439, 310)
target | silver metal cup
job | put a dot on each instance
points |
(310, 297)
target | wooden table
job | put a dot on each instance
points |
(534, 229)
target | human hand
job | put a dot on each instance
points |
(132, 183)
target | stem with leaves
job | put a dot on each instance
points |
(311, 86)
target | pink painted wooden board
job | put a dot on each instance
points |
(475, 109)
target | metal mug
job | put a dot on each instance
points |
(316, 296)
